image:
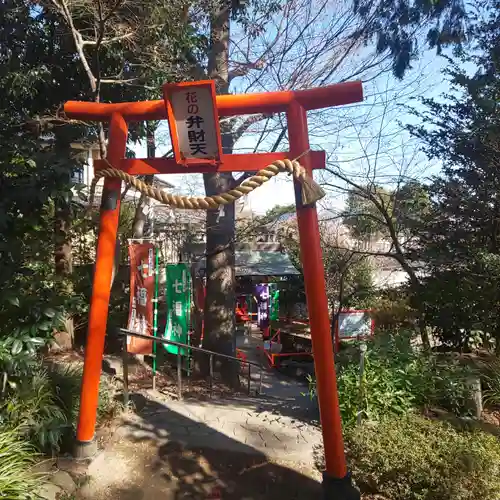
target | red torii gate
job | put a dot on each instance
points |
(295, 104)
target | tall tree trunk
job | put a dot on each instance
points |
(220, 299)
(63, 258)
(415, 286)
(422, 325)
(63, 250)
(141, 212)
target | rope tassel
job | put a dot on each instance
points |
(311, 191)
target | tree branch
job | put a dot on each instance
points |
(106, 41)
(63, 9)
(246, 124)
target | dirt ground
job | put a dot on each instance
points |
(173, 472)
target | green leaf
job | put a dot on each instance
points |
(14, 301)
(17, 347)
(37, 341)
(46, 325)
(50, 313)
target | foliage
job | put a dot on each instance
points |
(394, 26)
(348, 275)
(35, 167)
(460, 243)
(361, 216)
(17, 481)
(17, 358)
(398, 378)
(43, 406)
(392, 309)
(40, 213)
(388, 223)
(35, 410)
(368, 208)
(490, 377)
(65, 381)
(461, 302)
(412, 458)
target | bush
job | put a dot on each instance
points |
(66, 383)
(398, 378)
(37, 413)
(444, 383)
(384, 389)
(393, 310)
(17, 482)
(413, 458)
(43, 408)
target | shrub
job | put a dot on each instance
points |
(66, 383)
(491, 383)
(442, 382)
(393, 310)
(398, 377)
(37, 413)
(412, 458)
(17, 482)
(17, 358)
(44, 406)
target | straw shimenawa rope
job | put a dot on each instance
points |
(311, 191)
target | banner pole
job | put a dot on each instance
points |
(190, 326)
(155, 314)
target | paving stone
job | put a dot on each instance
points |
(49, 491)
(63, 480)
(76, 468)
(44, 467)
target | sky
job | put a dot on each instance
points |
(352, 137)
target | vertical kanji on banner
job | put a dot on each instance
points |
(141, 296)
(178, 298)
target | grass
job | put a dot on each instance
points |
(38, 417)
(17, 482)
(43, 408)
(491, 383)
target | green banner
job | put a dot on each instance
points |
(178, 300)
(274, 305)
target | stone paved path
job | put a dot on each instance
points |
(240, 448)
(241, 425)
(274, 384)
(188, 449)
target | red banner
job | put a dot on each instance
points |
(140, 318)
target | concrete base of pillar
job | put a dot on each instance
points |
(84, 450)
(339, 489)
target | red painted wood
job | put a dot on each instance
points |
(230, 163)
